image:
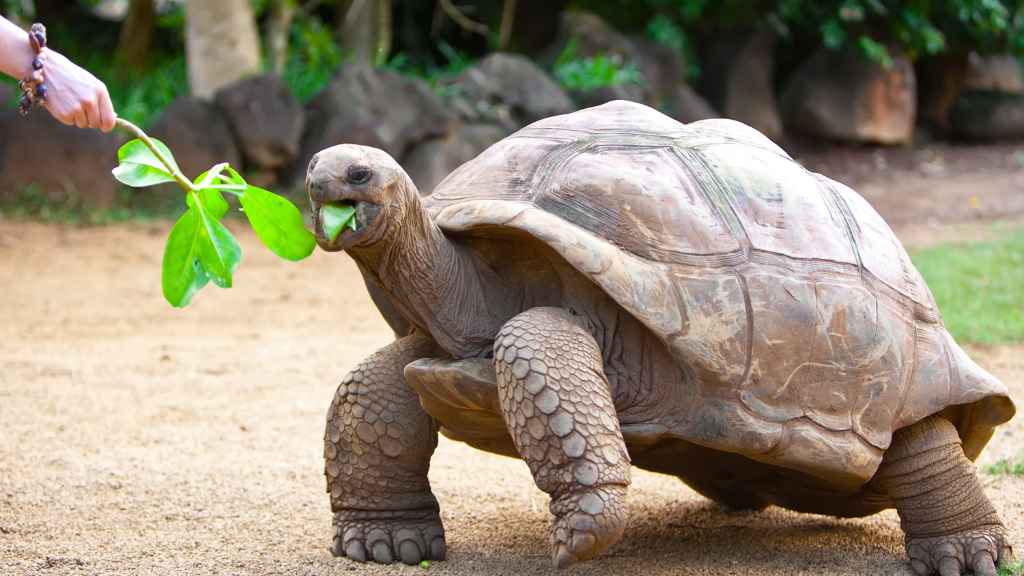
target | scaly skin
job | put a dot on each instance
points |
(377, 449)
(949, 524)
(557, 404)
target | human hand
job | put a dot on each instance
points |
(74, 96)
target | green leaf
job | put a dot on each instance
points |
(209, 193)
(235, 177)
(335, 217)
(182, 275)
(278, 223)
(218, 250)
(139, 167)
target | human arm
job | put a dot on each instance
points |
(74, 96)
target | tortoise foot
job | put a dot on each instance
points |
(586, 523)
(977, 552)
(407, 536)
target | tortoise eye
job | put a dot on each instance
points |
(358, 175)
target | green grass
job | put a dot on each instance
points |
(67, 208)
(979, 288)
(1006, 467)
(1014, 569)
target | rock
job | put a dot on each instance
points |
(596, 97)
(510, 90)
(739, 81)
(994, 72)
(988, 115)
(940, 80)
(65, 163)
(373, 107)
(431, 160)
(662, 68)
(266, 120)
(686, 105)
(198, 134)
(842, 95)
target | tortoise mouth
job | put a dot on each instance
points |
(341, 224)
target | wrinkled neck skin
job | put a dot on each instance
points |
(444, 289)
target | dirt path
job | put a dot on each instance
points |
(137, 439)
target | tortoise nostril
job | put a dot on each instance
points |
(316, 190)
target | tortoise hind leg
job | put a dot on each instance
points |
(950, 526)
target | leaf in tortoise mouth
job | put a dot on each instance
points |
(336, 217)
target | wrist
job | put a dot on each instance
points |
(18, 64)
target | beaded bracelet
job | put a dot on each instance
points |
(33, 88)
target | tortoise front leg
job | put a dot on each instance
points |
(557, 404)
(377, 448)
(949, 524)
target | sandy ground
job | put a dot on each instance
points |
(138, 439)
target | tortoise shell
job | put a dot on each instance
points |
(811, 334)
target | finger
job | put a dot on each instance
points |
(92, 114)
(107, 115)
(81, 120)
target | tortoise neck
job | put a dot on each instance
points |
(442, 287)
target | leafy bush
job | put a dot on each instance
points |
(588, 74)
(667, 32)
(436, 76)
(313, 58)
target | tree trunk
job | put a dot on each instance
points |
(364, 31)
(278, 28)
(222, 44)
(136, 34)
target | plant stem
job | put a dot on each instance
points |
(180, 178)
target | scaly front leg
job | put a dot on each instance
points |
(558, 407)
(377, 449)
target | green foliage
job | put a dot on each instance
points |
(666, 31)
(979, 288)
(1006, 467)
(437, 76)
(918, 27)
(200, 248)
(313, 58)
(1012, 569)
(587, 74)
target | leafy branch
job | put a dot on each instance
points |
(200, 248)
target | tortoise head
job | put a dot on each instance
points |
(367, 179)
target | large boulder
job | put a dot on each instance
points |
(994, 73)
(266, 119)
(198, 134)
(509, 90)
(431, 160)
(842, 95)
(373, 107)
(685, 105)
(662, 68)
(63, 162)
(739, 81)
(940, 80)
(988, 115)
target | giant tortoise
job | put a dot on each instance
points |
(611, 287)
